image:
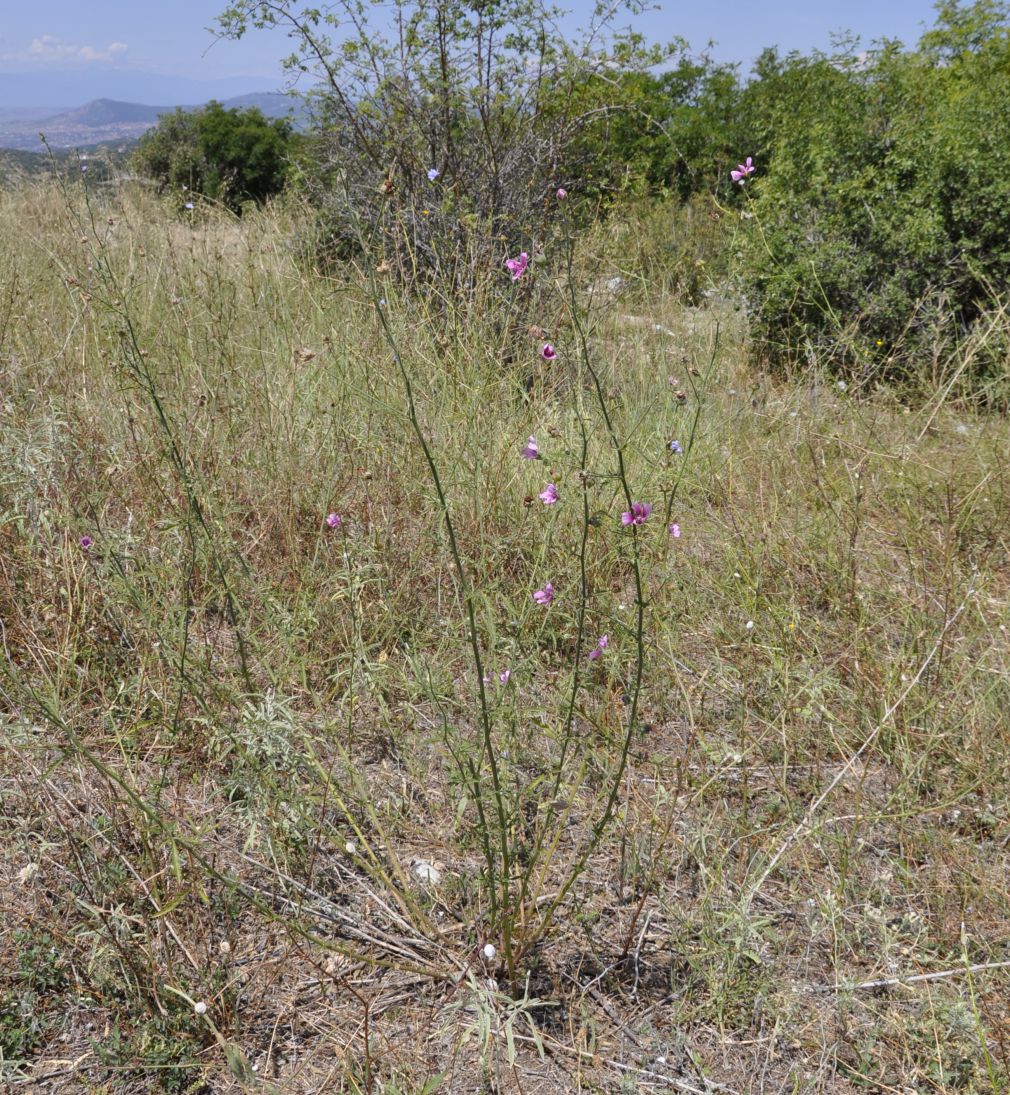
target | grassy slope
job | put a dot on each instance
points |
(250, 837)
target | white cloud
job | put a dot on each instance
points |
(48, 48)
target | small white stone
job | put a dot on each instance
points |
(750, 625)
(350, 847)
(427, 872)
(489, 952)
(200, 1008)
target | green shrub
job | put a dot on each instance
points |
(231, 156)
(881, 227)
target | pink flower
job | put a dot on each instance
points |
(637, 515)
(549, 495)
(517, 267)
(531, 452)
(675, 531)
(504, 675)
(562, 193)
(742, 170)
(86, 543)
(544, 596)
(548, 353)
(601, 644)
(333, 520)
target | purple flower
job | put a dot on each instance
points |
(86, 542)
(637, 515)
(562, 193)
(531, 452)
(189, 205)
(742, 170)
(549, 495)
(84, 168)
(517, 267)
(433, 174)
(504, 675)
(548, 353)
(333, 520)
(676, 448)
(601, 644)
(544, 596)
(675, 531)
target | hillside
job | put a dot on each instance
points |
(113, 122)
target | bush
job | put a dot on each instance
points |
(656, 132)
(444, 144)
(882, 224)
(231, 156)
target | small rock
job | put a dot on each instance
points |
(427, 872)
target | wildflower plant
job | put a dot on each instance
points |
(516, 868)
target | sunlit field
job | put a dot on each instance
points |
(397, 697)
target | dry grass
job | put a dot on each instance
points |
(174, 823)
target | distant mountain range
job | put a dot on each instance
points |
(110, 122)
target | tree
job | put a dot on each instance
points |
(459, 118)
(231, 156)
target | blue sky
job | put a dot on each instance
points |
(143, 49)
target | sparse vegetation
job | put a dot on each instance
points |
(399, 698)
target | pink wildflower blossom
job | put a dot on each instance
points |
(532, 451)
(333, 520)
(742, 170)
(517, 267)
(637, 515)
(549, 495)
(601, 644)
(548, 353)
(544, 596)
(562, 193)
(504, 675)
(86, 542)
(675, 531)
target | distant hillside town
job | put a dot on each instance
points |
(110, 122)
